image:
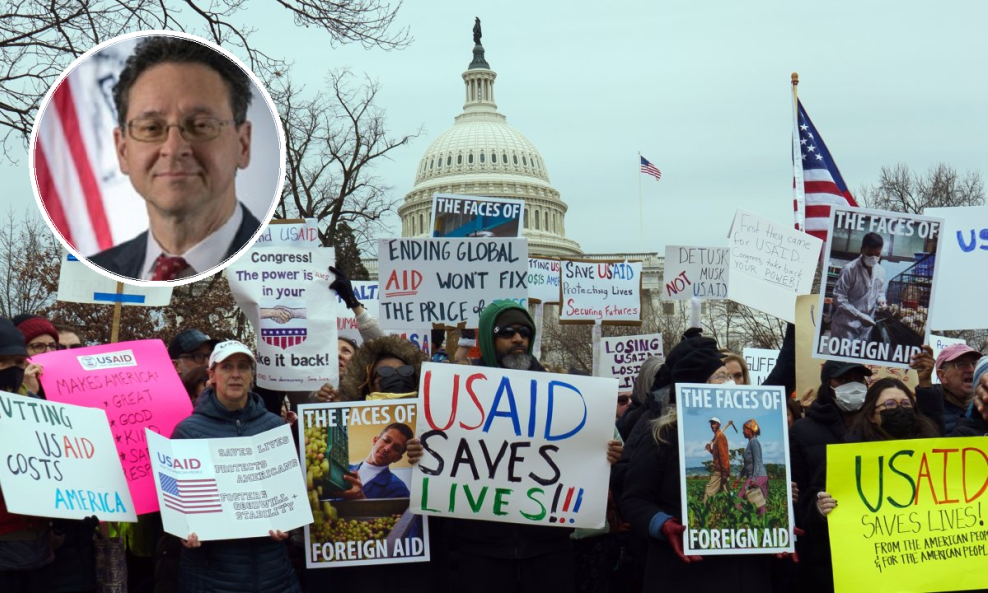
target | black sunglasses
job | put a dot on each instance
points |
(506, 333)
(404, 371)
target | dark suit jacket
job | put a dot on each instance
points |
(127, 259)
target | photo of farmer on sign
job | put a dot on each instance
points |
(877, 286)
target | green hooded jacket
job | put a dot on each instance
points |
(485, 333)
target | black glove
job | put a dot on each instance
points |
(344, 288)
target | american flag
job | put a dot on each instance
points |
(822, 183)
(650, 169)
(284, 338)
(190, 497)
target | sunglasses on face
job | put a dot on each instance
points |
(404, 371)
(506, 333)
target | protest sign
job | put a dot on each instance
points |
(964, 252)
(876, 313)
(474, 216)
(447, 282)
(78, 283)
(59, 461)
(284, 291)
(366, 293)
(604, 291)
(290, 233)
(513, 446)
(911, 515)
(760, 363)
(543, 280)
(699, 272)
(345, 443)
(938, 343)
(770, 264)
(730, 505)
(621, 357)
(229, 488)
(136, 385)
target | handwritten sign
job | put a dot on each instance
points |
(284, 291)
(911, 515)
(605, 291)
(621, 357)
(59, 461)
(473, 216)
(964, 249)
(448, 281)
(229, 488)
(347, 440)
(760, 363)
(136, 385)
(78, 283)
(736, 493)
(876, 313)
(938, 343)
(513, 446)
(296, 233)
(770, 264)
(699, 272)
(543, 280)
(366, 293)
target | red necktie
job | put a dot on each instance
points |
(168, 268)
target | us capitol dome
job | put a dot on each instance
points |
(481, 155)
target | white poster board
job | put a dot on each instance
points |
(297, 233)
(621, 357)
(699, 272)
(963, 249)
(229, 488)
(545, 437)
(366, 293)
(77, 283)
(447, 282)
(938, 343)
(760, 363)
(600, 291)
(770, 264)
(543, 280)
(60, 461)
(456, 215)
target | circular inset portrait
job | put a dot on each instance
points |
(157, 158)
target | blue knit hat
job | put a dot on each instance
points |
(979, 370)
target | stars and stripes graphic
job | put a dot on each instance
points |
(283, 338)
(190, 497)
(822, 183)
(650, 169)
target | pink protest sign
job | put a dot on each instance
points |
(137, 386)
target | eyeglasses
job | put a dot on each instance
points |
(624, 400)
(961, 365)
(506, 333)
(197, 357)
(195, 128)
(892, 404)
(721, 378)
(39, 347)
(70, 346)
(404, 371)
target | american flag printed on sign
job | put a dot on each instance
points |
(822, 182)
(283, 338)
(190, 497)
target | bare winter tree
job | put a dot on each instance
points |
(29, 256)
(38, 40)
(901, 190)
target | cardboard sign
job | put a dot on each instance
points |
(473, 216)
(938, 343)
(600, 291)
(513, 446)
(229, 488)
(447, 282)
(911, 515)
(964, 248)
(290, 233)
(876, 314)
(366, 293)
(723, 469)
(621, 358)
(77, 283)
(760, 363)
(136, 385)
(543, 280)
(370, 523)
(699, 272)
(770, 264)
(59, 461)
(284, 291)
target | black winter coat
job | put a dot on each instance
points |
(257, 564)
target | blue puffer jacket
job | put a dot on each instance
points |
(257, 564)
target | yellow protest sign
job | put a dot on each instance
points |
(910, 516)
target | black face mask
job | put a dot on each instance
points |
(898, 422)
(11, 379)
(397, 384)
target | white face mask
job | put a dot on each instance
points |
(850, 396)
(871, 260)
(728, 383)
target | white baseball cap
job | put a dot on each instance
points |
(225, 350)
(714, 419)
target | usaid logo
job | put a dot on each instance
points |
(109, 360)
(175, 463)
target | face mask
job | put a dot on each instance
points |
(728, 383)
(398, 384)
(11, 379)
(898, 422)
(850, 396)
(871, 260)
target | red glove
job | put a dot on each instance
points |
(673, 532)
(793, 556)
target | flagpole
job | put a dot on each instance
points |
(641, 217)
(798, 188)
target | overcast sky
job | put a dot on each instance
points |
(701, 89)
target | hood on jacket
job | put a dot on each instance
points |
(208, 404)
(353, 385)
(485, 333)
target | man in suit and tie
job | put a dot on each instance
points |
(183, 134)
